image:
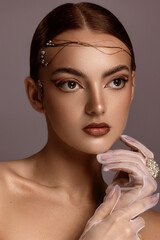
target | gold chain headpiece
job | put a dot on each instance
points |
(79, 43)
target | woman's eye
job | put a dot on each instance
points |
(118, 83)
(68, 86)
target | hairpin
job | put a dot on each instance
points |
(41, 87)
(66, 43)
(42, 58)
(50, 43)
(40, 83)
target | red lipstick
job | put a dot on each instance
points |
(97, 129)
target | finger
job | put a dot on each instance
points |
(147, 184)
(136, 178)
(137, 224)
(131, 192)
(104, 209)
(137, 146)
(125, 159)
(126, 167)
(140, 206)
(136, 168)
(107, 206)
(138, 175)
(124, 179)
(127, 198)
(120, 154)
(144, 185)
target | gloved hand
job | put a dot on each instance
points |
(138, 182)
(117, 217)
(121, 224)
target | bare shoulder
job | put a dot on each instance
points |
(152, 225)
(7, 173)
(18, 182)
(12, 176)
(8, 168)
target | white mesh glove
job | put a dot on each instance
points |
(138, 182)
(120, 224)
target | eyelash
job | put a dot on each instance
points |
(59, 84)
(122, 79)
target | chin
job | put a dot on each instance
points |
(87, 144)
(95, 146)
(97, 150)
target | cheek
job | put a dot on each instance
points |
(61, 109)
(120, 106)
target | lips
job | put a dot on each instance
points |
(97, 129)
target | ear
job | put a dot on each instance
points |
(34, 94)
(133, 85)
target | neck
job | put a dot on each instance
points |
(76, 173)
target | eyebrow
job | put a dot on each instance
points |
(81, 74)
(115, 70)
(70, 71)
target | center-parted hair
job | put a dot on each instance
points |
(72, 16)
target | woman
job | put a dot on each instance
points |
(82, 73)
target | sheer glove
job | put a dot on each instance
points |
(137, 183)
(120, 224)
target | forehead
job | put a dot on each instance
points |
(91, 37)
(79, 55)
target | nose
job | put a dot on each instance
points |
(95, 103)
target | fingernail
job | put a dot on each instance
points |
(128, 138)
(103, 156)
(107, 167)
(98, 158)
(111, 193)
(124, 136)
(155, 197)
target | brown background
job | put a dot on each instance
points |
(22, 130)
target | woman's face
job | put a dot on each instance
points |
(83, 85)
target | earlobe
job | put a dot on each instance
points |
(133, 85)
(34, 94)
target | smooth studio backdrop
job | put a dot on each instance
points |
(22, 130)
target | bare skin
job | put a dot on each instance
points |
(30, 210)
(53, 193)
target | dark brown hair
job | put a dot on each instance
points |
(71, 16)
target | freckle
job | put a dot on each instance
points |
(10, 202)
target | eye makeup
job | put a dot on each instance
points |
(67, 85)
